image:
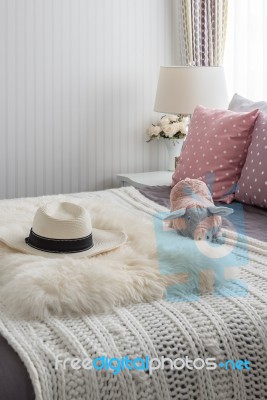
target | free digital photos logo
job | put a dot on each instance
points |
(147, 364)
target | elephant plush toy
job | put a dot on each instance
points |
(193, 212)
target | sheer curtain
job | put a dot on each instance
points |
(245, 59)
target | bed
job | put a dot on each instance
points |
(221, 327)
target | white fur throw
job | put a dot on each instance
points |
(33, 286)
(36, 287)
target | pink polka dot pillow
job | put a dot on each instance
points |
(215, 149)
(252, 185)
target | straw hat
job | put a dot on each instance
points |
(60, 229)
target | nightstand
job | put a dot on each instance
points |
(139, 180)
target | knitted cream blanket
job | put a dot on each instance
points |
(211, 326)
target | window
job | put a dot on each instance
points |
(245, 59)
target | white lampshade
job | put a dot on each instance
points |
(181, 89)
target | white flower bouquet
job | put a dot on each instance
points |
(169, 127)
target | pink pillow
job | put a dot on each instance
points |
(215, 149)
(252, 185)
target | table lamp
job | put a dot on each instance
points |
(181, 89)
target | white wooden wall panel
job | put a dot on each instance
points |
(77, 88)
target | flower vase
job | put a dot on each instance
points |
(174, 147)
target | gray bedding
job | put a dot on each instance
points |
(15, 383)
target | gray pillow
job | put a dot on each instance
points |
(252, 184)
(239, 104)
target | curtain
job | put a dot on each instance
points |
(246, 49)
(202, 26)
